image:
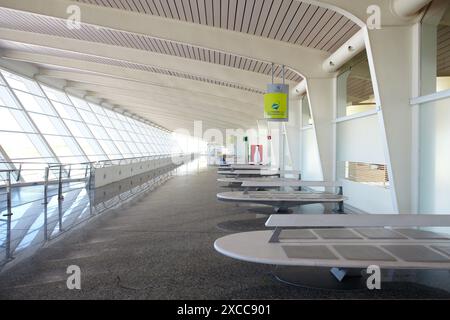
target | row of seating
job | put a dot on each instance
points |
(341, 242)
(274, 190)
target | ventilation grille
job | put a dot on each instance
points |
(367, 173)
(443, 51)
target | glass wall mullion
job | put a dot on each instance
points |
(32, 123)
(104, 128)
(80, 149)
(114, 128)
(4, 157)
(148, 145)
(54, 126)
(114, 124)
(149, 132)
(87, 126)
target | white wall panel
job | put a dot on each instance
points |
(435, 157)
(311, 169)
(359, 140)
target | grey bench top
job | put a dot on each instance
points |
(233, 167)
(280, 196)
(359, 220)
(249, 172)
(241, 180)
(251, 167)
(346, 248)
(256, 172)
(289, 183)
(224, 169)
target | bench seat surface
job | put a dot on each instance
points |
(249, 172)
(289, 183)
(241, 180)
(250, 167)
(359, 220)
(280, 196)
(343, 247)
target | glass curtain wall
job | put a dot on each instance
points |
(41, 125)
(435, 54)
(354, 87)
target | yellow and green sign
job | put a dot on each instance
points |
(276, 106)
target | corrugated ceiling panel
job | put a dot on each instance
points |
(285, 20)
(359, 89)
(52, 26)
(443, 51)
(125, 64)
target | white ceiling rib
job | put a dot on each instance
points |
(22, 21)
(291, 21)
(284, 20)
(121, 63)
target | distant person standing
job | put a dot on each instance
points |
(257, 156)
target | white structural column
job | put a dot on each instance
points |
(321, 93)
(293, 132)
(281, 147)
(389, 51)
(341, 94)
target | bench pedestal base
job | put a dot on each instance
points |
(319, 278)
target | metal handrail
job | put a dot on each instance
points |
(64, 171)
(135, 159)
(26, 162)
(8, 215)
(158, 156)
(96, 163)
(163, 173)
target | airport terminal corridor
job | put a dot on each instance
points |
(161, 247)
(277, 150)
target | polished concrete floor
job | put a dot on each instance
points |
(161, 247)
(34, 222)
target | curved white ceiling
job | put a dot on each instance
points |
(292, 21)
(217, 91)
(28, 22)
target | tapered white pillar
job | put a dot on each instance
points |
(390, 52)
(321, 93)
(293, 134)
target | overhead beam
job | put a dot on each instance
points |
(111, 71)
(184, 111)
(161, 98)
(80, 48)
(408, 8)
(359, 11)
(104, 80)
(241, 44)
(236, 115)
(346, 52)
(174, 123)
(125, 73)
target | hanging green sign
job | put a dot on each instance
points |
(276, 102)
(275, 106)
